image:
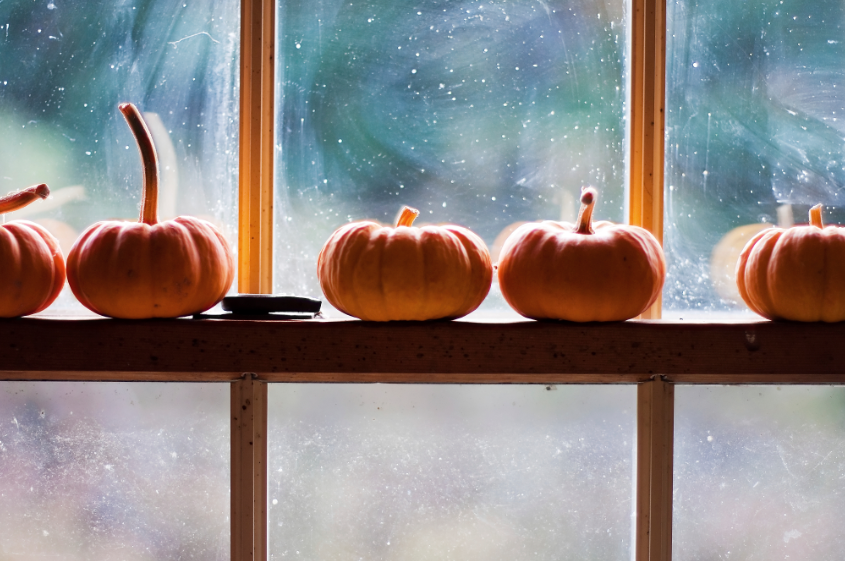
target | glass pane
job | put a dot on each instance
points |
(759, 473)
(754, 114)
(403, 472)
(478, 113)
(114, 471)
(64, 67)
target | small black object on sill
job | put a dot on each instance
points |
(266, 307)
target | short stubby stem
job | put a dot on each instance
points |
(584, 225)
(149, 161)
(407, 216)
(23, 198)
(816, 216)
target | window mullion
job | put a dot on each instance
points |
(249, 469)
(655, 433)
(648, 96)
(257, 132)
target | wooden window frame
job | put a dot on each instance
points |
(653, 355)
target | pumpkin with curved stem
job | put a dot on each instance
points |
(32, 269)
(383, 273)
(150, 269)
(795, 273)
(584, 272)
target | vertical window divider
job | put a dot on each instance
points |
(249, 469)
(648, 99)
(256, 141)
(655, 446)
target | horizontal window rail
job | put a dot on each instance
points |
(435, 352)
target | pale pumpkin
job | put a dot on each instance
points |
(384, 273)
(795, 273)
(583, 272)
(32, 269)
(150, 269)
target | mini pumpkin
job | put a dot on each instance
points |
(384, 273)
(150, 269)
(795, 273)
(32, 269)
(583, 272)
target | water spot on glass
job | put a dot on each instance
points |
(695, 65)
(709, 438)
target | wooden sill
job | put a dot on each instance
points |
(432, 352)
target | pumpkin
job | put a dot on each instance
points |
(384, 273)
(583, 272)
(32, 269)
(795, 273)
(150, 269)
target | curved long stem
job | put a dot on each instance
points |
(23, 198)
(149, 161)
(407, 216)
(584, 224)
(816, 216)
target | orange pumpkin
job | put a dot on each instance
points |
(581, 272)
(383, 273)
(795, 273)
(32, 269)
(150, 269)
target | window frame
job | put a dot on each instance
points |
(248, 355)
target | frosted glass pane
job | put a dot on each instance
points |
(114, 471)
(64, 67)
(759, 473)
(755, 118)
(475, 112)
(463, 473)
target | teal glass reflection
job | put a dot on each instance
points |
(754, 134)
(64, 67)
(477, 113)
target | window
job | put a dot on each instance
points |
(656, 359)
(65, 66)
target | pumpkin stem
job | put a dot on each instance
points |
(816, 216)
(23, 198)
(407, 216)
(149, 160)
(584, 224)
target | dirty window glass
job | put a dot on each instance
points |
(758, 473)
(64, 67)
(462, 473)
(755, 117)
(114, 471)
(477, 112)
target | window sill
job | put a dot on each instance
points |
(522, 351)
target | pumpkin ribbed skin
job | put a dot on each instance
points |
(32, 269)
(134, 270)
(796, 273)
(610, 272)
(378, 273)
(150, 269)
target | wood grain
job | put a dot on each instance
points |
(647, 98)
(257, 137)
(249, 469)
(435, 352)
(655, 434)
